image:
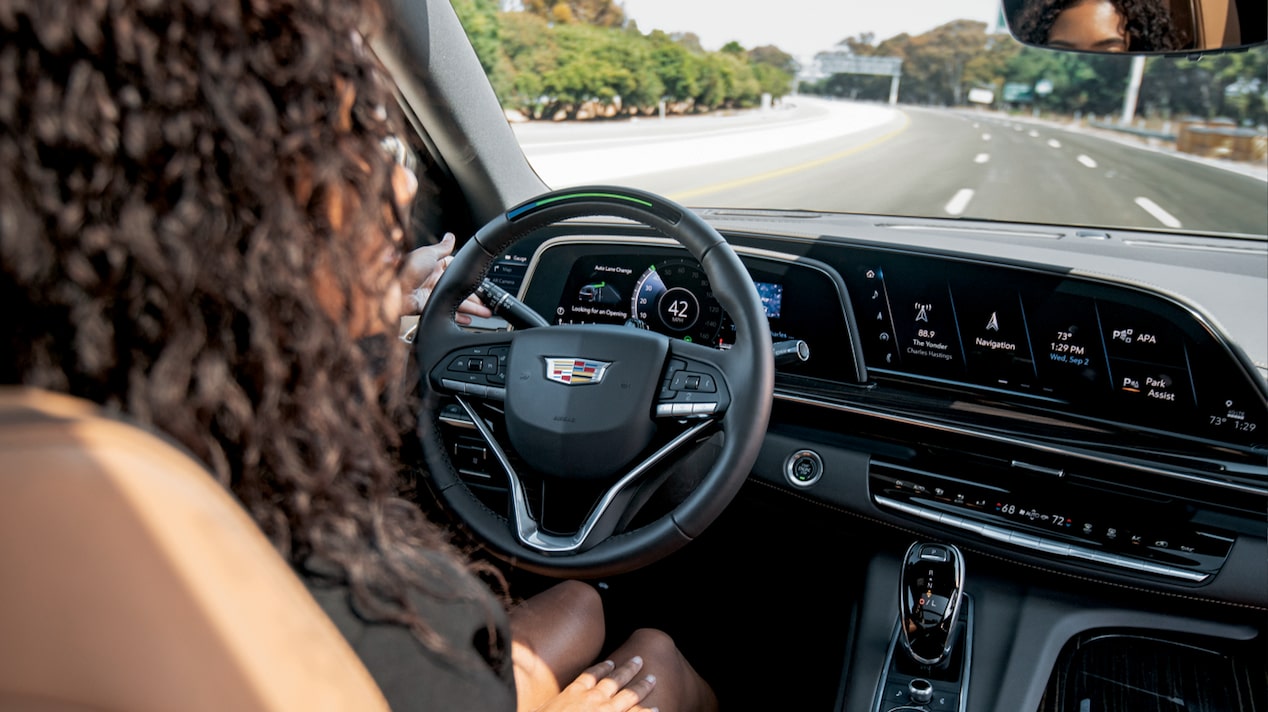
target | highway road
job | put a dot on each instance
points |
(837, 156)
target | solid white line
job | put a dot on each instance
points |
(1034, 133)
(1054, 143)
(1159, 214)
(982, 158)
(1086, 160)
(959, 202)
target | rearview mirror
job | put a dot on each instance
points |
(1138, 26)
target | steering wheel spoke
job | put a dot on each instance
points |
(605, 515)
(477, 369)
(694, 385)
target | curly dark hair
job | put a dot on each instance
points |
(174, 176)
(1149, 26)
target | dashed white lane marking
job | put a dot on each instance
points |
(982, 158)
(1034, 133)
(1153, 209)
(1086, 160)
(959, 202)
(1018, 128)
(986, 137)
(1054, 143)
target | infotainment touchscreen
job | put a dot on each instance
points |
(1084, 345)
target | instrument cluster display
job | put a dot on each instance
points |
(663, 289)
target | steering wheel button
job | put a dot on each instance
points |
(665, 409)
(475, 364)
(682, 408)
(455, 386)
(703, 407)
(490, 365)
(693, 383)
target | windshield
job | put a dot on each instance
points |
(925, 108)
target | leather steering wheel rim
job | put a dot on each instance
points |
(748, 368)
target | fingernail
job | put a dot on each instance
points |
(447, 236)
(637, 660)
(651, 679)
(462, 319)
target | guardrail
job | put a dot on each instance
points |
(1143, 133)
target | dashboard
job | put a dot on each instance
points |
(1071, 420)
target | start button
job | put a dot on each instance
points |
(803, 468)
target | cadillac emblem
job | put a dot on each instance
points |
(575, 371)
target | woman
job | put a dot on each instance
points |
(201, 230)
(1098, 25)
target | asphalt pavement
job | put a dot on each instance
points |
(866, 158)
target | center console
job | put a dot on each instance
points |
(1036, 645)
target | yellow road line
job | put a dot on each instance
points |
(778, 173)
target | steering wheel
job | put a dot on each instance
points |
(594, 407)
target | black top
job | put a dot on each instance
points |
(476, 676)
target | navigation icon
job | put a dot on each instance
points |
(993, 324)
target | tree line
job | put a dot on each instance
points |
(579, 58)
(941, 66)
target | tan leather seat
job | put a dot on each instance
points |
(130, 580)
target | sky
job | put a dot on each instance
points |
(801, 27)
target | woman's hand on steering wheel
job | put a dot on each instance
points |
(421, 269)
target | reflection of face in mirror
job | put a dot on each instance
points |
(1098, 25)
(1089, 26)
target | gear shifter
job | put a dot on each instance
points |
(931, 589)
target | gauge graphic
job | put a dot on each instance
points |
(674, 298)
(598, 293)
